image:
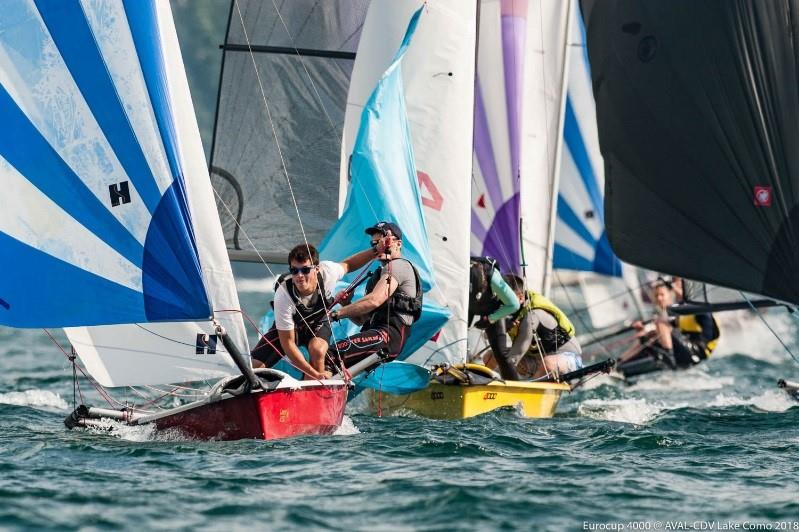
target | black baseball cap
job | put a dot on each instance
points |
(383, 228)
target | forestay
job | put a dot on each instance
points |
(438, 75)
(303, 51)
(518, 103)
(697, 109)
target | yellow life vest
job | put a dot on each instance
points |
(551, 340)
(691, 328)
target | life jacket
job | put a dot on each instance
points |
(551, 339)
(691, 329)
(482, 300)
(307, 319)
(398, 302)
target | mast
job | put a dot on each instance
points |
(553, 192)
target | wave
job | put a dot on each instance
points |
(347, 428)
(633, 411)
(690, 380)
(37, 398)
(769, 401)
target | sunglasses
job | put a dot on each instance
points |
(375, 243)
(305, 270)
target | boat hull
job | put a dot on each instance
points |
(453, 401)
(266, 415)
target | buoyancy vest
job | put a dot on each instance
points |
(482, 300)
(398, 302)
(551, 339)
(691, 329)
(307, 318)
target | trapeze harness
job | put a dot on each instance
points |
(551, 339)
(310, 321)
(384, 329)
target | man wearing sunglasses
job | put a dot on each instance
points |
(302, 300)
(392, 303)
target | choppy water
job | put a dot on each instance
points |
(718, 442)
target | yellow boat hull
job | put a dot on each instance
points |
(454, 401)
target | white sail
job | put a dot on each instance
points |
(518, 118)
(439, 89)
(118, 355)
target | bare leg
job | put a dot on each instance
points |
(664, 335)
(317, 348)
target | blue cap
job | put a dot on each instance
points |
(383, 228)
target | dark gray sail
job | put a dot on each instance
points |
(698, 112)
(305, 74)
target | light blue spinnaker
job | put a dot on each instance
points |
(95, 227)
(384, 186)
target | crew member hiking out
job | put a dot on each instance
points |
(492, 300)
(670, 343)
(302, 300)
(392, 303)
(543, 337)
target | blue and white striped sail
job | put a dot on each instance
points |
(95, 226)
(581, 242)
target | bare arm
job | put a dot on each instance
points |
(358, 260)
(289, 345)
(384, 288)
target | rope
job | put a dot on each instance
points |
(763, 319)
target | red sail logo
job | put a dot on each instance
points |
(436, 200)
(763, 196)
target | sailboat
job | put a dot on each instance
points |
(110, 219)
(696, 107)
(440, 92)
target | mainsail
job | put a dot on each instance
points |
(518, 103)
(438, 75)
(697, 109)
(114, 220)
(301, 54)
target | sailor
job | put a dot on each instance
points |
(302, 300)
(492, 300)
(682, 341)
(543, 337)
(391, 304)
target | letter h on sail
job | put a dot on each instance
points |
(119, 192)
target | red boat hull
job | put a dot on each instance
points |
(266, 415)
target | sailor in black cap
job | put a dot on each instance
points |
(392, 303)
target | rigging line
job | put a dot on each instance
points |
(271, 123)
(318, 96)
(578, 314)
(763, 319)
(99, 389)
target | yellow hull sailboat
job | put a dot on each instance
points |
(467, 390)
